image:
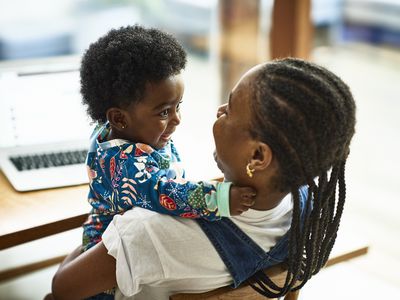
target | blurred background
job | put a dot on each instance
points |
(357, 39)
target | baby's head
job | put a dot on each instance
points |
(131, 78)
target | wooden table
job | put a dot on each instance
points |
(28, 216)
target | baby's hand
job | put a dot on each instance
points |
(241, 199)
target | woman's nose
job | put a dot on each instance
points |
(221, 109)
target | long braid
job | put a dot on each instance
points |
(265, 284)
(308, 118)
(327, 217)
(320, 226)
(311, 234)
(334, 226)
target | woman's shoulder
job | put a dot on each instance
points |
(159, 227)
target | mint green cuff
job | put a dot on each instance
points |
(223, 198)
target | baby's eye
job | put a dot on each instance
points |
(164, 113)
(178, 107)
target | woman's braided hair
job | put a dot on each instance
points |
(306, 114)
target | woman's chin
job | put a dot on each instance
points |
(226, 176)
(220, 168)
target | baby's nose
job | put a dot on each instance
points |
(176, 118)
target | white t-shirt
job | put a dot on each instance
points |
(159, 255)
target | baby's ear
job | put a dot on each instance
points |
(262, 157)
(116, 117)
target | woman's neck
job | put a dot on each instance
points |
(267, 199)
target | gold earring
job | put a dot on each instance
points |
(123, 126)
(249, 171)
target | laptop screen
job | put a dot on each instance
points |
(38, 107)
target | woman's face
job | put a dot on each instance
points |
(231, 131)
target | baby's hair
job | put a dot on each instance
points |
(115, 68)
(306, 114)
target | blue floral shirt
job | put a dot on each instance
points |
(123, 175)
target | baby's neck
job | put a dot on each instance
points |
(113, 135)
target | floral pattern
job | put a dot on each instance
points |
(124, 175)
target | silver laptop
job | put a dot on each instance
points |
(45, 129)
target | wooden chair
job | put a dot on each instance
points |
(276, 273)
(243, 292)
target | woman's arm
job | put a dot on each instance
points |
(70, 257)
(84, 275)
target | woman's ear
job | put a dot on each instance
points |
(117, 118)
(262, 157)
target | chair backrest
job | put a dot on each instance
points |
(244, 292)
(343, 251)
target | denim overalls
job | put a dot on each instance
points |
(241, 255)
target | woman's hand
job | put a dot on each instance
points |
(241, 199)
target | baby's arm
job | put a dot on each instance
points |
(143, 183)
(209, 200)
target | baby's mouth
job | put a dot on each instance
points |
(166, 136)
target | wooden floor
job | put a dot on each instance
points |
(373, 179)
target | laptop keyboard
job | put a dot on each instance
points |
(40, 161)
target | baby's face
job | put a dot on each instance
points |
(153, 120)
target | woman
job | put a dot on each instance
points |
(285, 131)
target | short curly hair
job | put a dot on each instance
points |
(115, 69)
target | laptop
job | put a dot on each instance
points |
(45, 129)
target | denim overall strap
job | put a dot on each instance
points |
(280, 251)
(241, 255)
(236, 249)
